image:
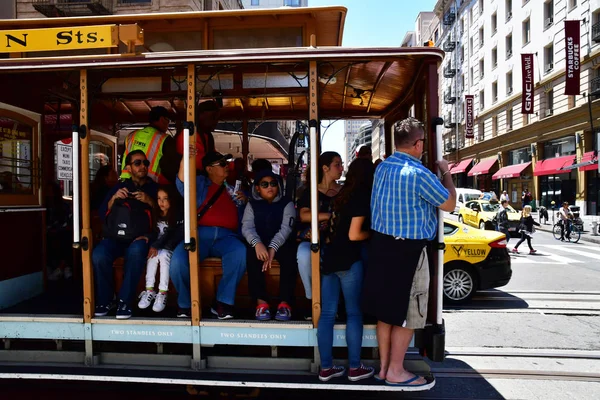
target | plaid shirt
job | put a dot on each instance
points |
(405, 198)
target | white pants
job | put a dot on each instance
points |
(164, 259)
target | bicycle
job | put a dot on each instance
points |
(575, 232)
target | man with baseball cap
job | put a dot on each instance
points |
(217, 235)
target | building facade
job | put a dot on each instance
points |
(76, 8)
(274, 3)
(352, 137)
(551, 152)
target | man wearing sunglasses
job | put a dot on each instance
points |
(139, 193)
(158, 146)
(217, 235)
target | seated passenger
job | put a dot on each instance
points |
(127, 212)
(267, 225)
(342, 270)
(217, 227)
(330, 170)
(169, 229)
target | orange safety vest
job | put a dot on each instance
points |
(150, 141)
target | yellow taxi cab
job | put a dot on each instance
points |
(480, 213)
(474, 259)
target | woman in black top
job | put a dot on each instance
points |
(342, 269)
(526, 228)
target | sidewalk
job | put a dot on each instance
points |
(586, 235)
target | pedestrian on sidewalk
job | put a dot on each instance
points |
(526, 228)
(502, 219)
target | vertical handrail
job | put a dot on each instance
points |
(440, 256)
(76, 192)
(186, 184)
(314, 191)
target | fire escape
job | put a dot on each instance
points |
(73, 8)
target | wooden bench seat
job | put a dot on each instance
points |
(211, 273)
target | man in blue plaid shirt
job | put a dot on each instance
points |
(404, 203)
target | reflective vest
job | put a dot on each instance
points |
(150, 141)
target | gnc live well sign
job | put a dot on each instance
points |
(527, 73)
(53, 39)
(469, 119)
(572, 38)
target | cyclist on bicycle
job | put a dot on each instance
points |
(566, 220)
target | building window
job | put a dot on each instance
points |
(494, 92)
(550, 103)
(494, 23)
(572, 101)
(480, 7)
(481, 41)
(462, 53)
(572, 4)
(549, 58)
(471, 16)
(548, 14)
(471, 76)
(508, 9)
(471, 46)
(525, 119)
(509, 119)
(509, 83)
(481, 132)
(526, 31)
(509, 47)
(494, 57)
(519, 156)
(481, 99)
(494, 126)
(564, 146)
(135, 1)
(255, 2)
(462, 26)
(463, 84)
(435, 36)
(481, 68)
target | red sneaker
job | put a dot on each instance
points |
(333, 372)
(532, 251)
(362, 372)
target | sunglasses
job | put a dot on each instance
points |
(137, 163)
(222, 163)
(265, 184)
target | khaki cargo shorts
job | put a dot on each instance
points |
(416, 315)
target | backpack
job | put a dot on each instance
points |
(127, 220)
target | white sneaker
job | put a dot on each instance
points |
(68, 273)
(160, 302)
(55, 275)
(146, 298)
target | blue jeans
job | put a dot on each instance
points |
(350, 282)
(304, 267)
(213, 242)
(103, 257)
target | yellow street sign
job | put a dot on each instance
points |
(52, 39)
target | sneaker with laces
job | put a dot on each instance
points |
(362, 372)
(146, 298)
(101, 310)
(123, 310)
(262, 312)
(222, 310)
(160, 302)
(184, 312)
(284, 312)
(532, 251)
(515, 250)
(333, 372)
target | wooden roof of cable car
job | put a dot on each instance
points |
(369, 82)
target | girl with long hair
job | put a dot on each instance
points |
(169, 232)
(526, 228)
(342, 270)
(330, 168)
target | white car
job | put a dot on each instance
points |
(463, 195)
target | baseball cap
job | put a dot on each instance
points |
(213, 156)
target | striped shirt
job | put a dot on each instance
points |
(405, 198)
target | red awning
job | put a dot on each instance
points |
(511, 171)
(461, 166)
(484, 166)
(552, 166)
(590, 162)
(450, 166)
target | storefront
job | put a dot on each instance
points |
(483, 172)
(459, 174)
(589, 164)
(556, 184)
(517, 178)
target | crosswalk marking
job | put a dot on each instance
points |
(575, 251)
(543, 257)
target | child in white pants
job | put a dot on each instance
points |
(169, 227)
